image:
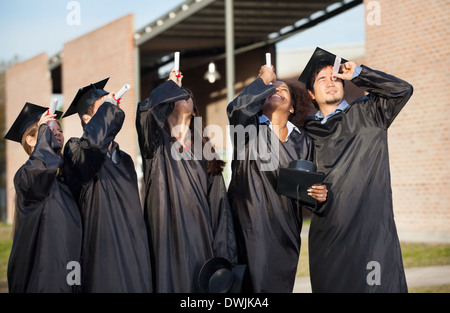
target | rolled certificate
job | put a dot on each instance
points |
(177, 61)
(176, 66)
(53, 105)
(336, 66)
(52, 109)
(121, 92)
(268, 60)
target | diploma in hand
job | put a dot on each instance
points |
(121, 92)
(177, 64)
(336, 66)
(268, 60)
(52, 109)
(53, 105)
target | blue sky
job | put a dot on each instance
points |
(29, 27)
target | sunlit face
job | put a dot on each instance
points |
(326, 90)
(279, 101)
(57, 131)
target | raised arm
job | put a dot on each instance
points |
(152, 114)
(388, 93)
(244, 108)
(83, 157)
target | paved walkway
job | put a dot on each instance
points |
(415, 277)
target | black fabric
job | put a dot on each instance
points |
(318, 58)
(85, 97)
(48, 234)
(186, 210)
(267, 224)
(295, 182)
(356, 227)
(115, 255)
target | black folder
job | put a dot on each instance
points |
(295, 180)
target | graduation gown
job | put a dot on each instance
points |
(115, 255)
(267, 224)
(186, 209)
(48, 234)
(353, 242)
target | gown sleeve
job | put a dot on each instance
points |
(244, 108)
(153, 112)
(387, 93)
(83, 157)
(36, 177)
(224, 243)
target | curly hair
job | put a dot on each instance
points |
(301, 101)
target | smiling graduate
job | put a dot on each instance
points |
(268, 224)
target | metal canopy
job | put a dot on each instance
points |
(196, 28)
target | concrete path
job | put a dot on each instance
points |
(415, 277)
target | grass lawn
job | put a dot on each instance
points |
(414, 255)
(5, 249)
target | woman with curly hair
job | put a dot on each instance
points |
(268, 224)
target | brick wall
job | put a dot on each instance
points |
(28, 81)
(412, 43)
(105, 52)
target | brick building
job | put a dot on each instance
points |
(409, 40)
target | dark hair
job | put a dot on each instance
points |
(301, 101)
(214, 166)
(315, 70)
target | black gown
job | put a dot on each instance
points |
(186, 209)
(267, 224)
(353, 242)
(48, 234)
(115, 255)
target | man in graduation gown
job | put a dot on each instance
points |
(268, 225)
(115, 255)
(47, 223)
(353, 242)
(186, 206)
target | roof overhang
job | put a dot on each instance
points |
(196, 28)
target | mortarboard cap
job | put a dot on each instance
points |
(85, 97)
(295, 180)
(320, 56)
(29, 114)
(218, 275)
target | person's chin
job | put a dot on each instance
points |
(334, 100)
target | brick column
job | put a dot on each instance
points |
(411, 42)
(104, 52)
(28, 81)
